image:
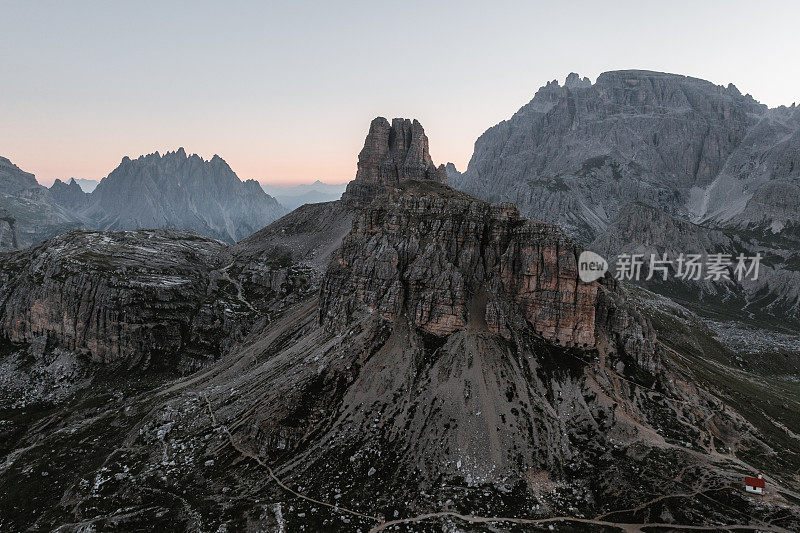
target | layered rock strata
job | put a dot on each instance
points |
(445, 261)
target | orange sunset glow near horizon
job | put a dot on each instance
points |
(285, 92)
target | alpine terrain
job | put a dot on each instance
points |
(173, 191)
(652, 163)
(407, 358)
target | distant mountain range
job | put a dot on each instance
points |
(675, 157)
(575, 154)
(293, 196)
(182, 192)
(154, 191)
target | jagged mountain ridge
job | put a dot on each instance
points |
(36, 214)
(171, 191)
(576, 153)
(69, 195)
(597, 159)
(180, 191)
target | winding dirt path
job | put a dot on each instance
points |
(566, 519)
(281, 484)
(382, 524)
(239, 291)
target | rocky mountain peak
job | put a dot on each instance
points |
(574, 81)
(393, 153)
(692, 148)
(13, 179)
(35, 211)
(59, 184)
(182, 191)
(69, 194)
(453, 175)
(459, 322)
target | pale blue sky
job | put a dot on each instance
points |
(284, 91)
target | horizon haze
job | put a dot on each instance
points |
(283, 92)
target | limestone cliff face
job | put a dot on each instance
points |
(393, 153)
(134, 298)
(445, 261)
(458, 345)
(160, 298)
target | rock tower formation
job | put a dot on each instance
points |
(392, 153)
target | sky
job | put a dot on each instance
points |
(285, 91)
